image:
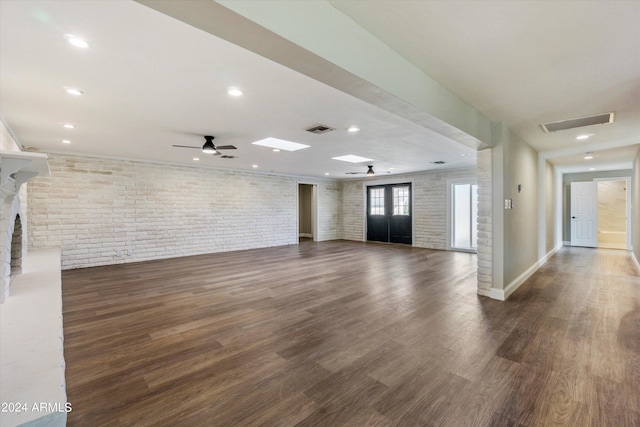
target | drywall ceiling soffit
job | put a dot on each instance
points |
(523, 63)
(604, 159)
(219, 19)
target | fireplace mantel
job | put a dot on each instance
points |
(17, 167)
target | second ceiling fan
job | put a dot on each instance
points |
(209, 147)
(369, 171)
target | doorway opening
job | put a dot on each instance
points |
(600, 213)
(16, 247)
(463, 216)
(306, 212)
(612, 214)
(389, 213)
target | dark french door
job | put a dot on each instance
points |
(389, 213)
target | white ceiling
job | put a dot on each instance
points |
(151, 81)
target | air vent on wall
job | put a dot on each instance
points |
(320, 129)
(598, 119)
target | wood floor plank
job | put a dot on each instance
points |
(348, 333)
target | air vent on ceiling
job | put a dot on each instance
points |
(439, 162)
(320, 129)
(227, 156)
(598, 119)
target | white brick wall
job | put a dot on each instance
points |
(104, 211)
(107, 211)
(329, 217)
(485, 236)
(429, 205)
(352, 208)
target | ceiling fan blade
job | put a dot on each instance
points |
(187, 146)
(225, 147)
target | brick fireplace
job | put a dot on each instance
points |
(16, 168)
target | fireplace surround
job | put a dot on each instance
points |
(16, 168)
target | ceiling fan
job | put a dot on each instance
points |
(369, 171)
(209, 148)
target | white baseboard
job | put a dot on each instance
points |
(566, 243)
(484, 292)
(633, 257)
(503, 294)
(551, 253)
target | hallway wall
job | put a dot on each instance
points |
(635, 198)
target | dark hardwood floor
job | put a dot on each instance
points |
(346, 333)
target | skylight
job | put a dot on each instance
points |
(352, 159)
(280, 144)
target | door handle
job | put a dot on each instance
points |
(573, 217)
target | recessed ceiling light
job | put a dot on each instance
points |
(77, 41)
(66, 141)
(76, 92)
(254, 166)
(280, 144)
(196, 159)
(584, 136)
(589, 156)
(327, 173)
(234, 91)
(592, 169)
(69, 126)
(276, 150)
(352, 159)
(466, 155)
(391, 169)
(353, 129)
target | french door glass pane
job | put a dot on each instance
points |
(376, 200)
(401, 200)
(462, 216)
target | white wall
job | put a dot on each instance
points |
(105, 211)
(429, 205)
(635, 199)
(550, 197)
(521, 222)
(514, 232)
(329, 195)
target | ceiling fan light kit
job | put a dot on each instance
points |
(209, 148)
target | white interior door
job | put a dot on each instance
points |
(584, 214)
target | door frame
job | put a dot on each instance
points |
(372, 182)
(627, 179)
(314, 209)
(450, 182)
